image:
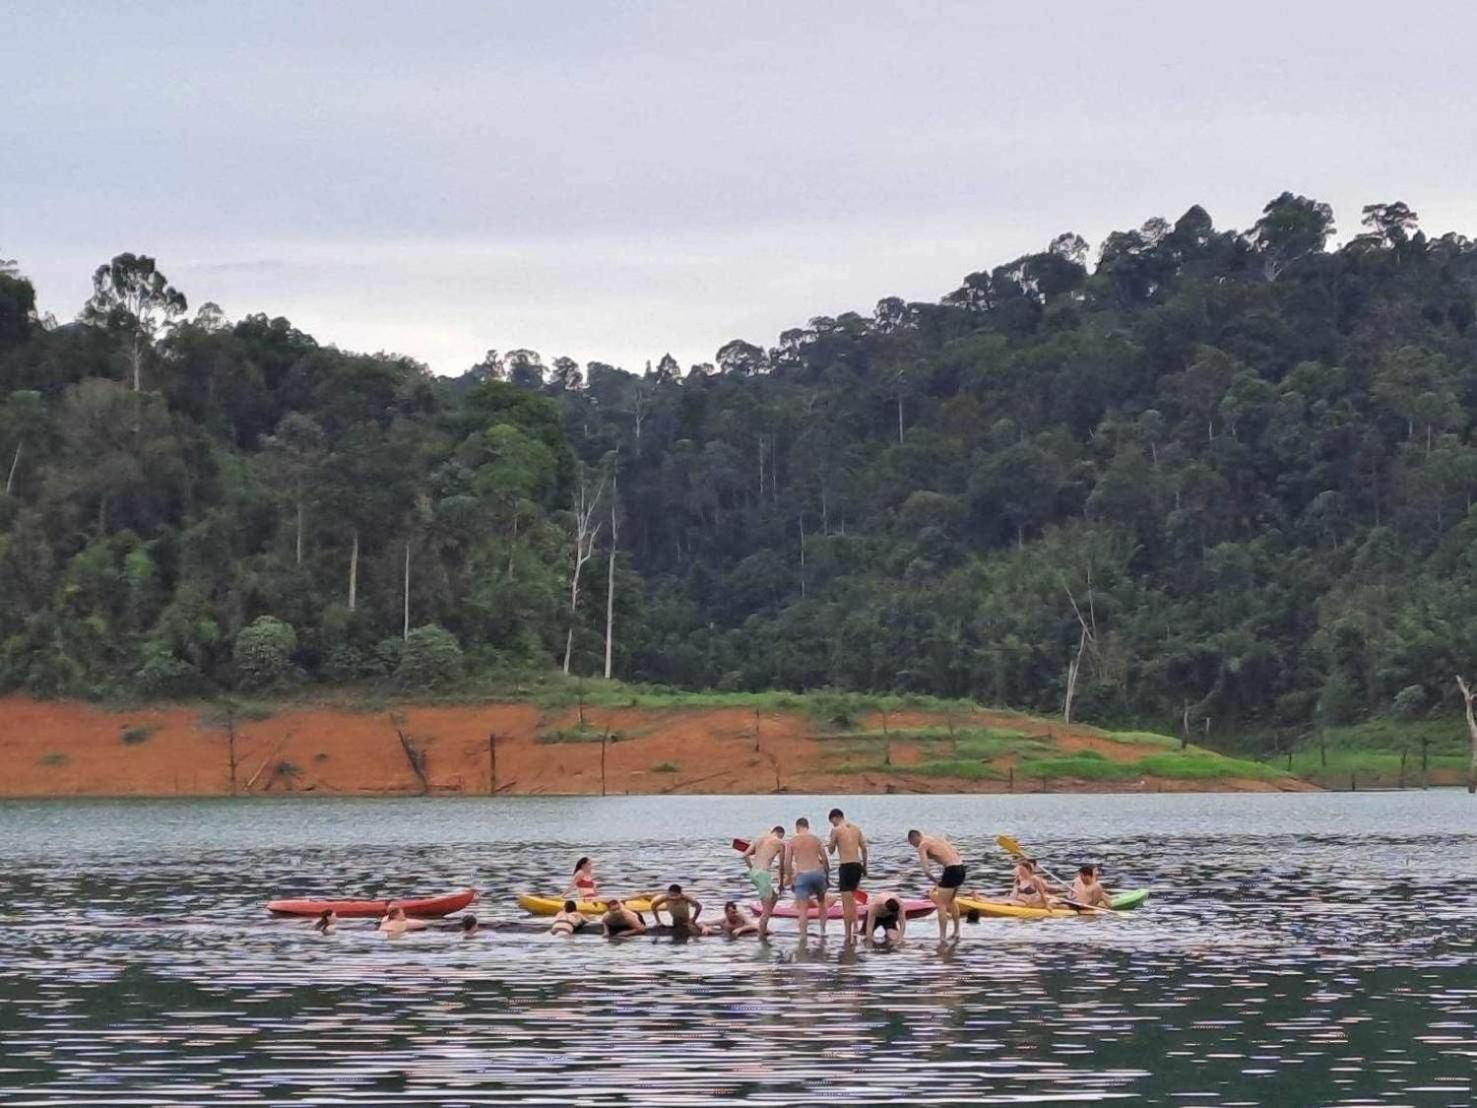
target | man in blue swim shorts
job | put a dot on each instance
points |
(806, 858)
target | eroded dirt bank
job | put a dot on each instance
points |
(65, 748)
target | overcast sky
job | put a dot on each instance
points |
(614, 181)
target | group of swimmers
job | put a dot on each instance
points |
(803, 864)
(395, 922)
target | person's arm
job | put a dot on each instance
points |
(697, 908)
(747, 857)
(863, 840)
(871, 917)
(638, 925)
(923, 864)
(902, 923)
(657, 903)
(786, 860)
(831, 842)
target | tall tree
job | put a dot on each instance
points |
(131, 298)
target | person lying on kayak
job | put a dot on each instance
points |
(885, 911)
(395, 923)
(568, 921)
(1087, 888)
(583, 885)
(325, 921)
(683, 909)
(936, 848)
(736, 921)
(620, 920)
(759, 861)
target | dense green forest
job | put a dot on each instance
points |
(1218, 478)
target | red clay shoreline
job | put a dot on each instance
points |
(71, 749)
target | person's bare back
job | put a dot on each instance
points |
(847, 842)
(806, 853)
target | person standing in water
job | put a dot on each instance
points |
(806, 859)
(759, 859)
(936, 848)
(850, 846)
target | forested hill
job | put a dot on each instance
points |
(1216, 474)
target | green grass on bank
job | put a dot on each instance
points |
(1141, 738)
(1193, 764)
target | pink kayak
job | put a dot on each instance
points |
(431, 907)
(913, 909)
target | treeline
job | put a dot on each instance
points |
(1217, 479)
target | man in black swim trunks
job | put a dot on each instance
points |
(936, 848)
(850, 845)
(885, 911)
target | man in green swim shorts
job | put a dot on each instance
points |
(759, 858)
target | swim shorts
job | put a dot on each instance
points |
(763, 882)
(810, 884)
(850, 877)
(952, 877)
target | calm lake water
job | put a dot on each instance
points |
(1298, 949)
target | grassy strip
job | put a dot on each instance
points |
(1140, 738)
(578, 735)
(1191, 765)
(936, 767)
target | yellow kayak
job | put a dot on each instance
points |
(553, 905)
(999, 908)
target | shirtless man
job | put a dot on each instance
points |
(683, 909)
(620, 920)
(936, 848)
(1087, 888)
(885, 910)
(850, 845)
(810, 869)
(759, 860)
(737, 922)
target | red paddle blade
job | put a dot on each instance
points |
(741, 845)
(861, 896)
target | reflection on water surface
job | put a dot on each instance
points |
(1298, 950)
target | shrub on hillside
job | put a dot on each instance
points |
(429, 657)
(263, 653)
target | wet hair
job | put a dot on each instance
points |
(581, 864)
(1086, 869)
(674, 888)
(570, 906)
(892, 905)
(972, 916)
(325, 917)
(914, 835)
(836, 813)
(778, 830)
(469, 923)
(803, 822)
(727, 904)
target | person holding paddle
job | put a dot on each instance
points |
(936, 848)
(759, 857)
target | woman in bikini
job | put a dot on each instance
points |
(583, 886)
(568, 921)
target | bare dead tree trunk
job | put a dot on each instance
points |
(802, 555)
(1467, 695)
(354, 570)
(14, 463)
(136, 360)
(1074, 667)
(586, 531)
(300, 531)
(610, 582)
(405, 632)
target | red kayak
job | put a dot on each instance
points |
(433, 907)
(913, 909)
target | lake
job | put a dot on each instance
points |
(1298, 949)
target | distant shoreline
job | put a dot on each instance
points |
(73, 749)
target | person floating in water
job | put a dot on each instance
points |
(736, 921)
(936, 848)
(583, 885)
(568, 921)
(850, 846)
(326, 921)
(683, 909)
(759, 858)
(620, 920)
(805, 857)
(468, 926)
(395, 922)
(885, 913)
